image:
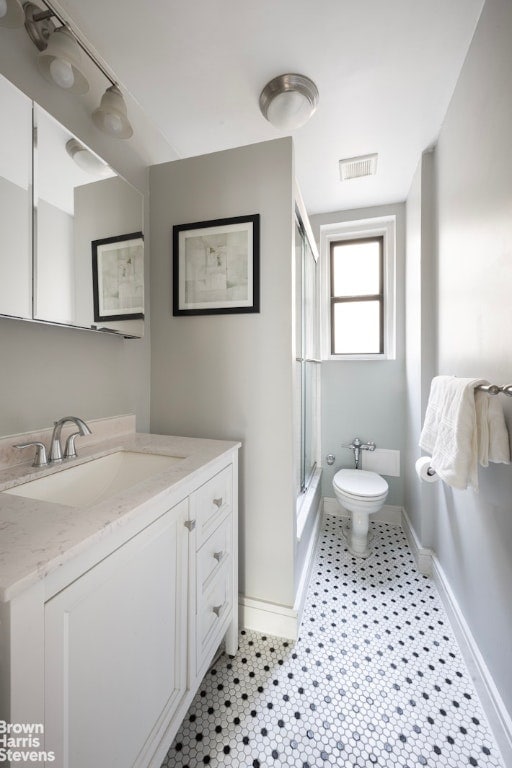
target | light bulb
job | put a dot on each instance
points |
(3, 8)
(62, 73)
(113, 123)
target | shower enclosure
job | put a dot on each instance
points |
(307, 356)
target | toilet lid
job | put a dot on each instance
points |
(360, 482)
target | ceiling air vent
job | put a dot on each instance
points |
(355, 167)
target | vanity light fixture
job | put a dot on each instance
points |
(60, 57)
(61, 61)
(288, 101)
(11, 14)
(111, 117)
(87, 160)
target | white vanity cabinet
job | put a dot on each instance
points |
(116, 649)
(211, 509)
(108, 650)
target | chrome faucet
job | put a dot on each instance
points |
(357, 446)
(70, 450)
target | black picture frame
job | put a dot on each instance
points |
(216, 266)
(118, 277)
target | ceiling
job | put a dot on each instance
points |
(385, 73)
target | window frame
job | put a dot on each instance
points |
(358, 298)
(361, 229)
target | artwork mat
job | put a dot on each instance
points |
(111, 258)
(216, 266)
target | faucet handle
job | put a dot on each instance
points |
(40, 457)
(70, 449)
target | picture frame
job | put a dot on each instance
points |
(118, 277)
(216, 266)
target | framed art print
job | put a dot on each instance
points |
(216, 266)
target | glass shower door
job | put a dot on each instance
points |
(307, 364)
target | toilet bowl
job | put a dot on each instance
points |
(361, 493)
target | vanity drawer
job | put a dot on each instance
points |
(213, 554)
(211, 502)
(213, 612)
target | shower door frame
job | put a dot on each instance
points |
(307, 354)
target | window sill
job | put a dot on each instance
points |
(350, 358)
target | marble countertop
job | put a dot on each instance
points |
(38, 537)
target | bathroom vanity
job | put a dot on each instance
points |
(112, 608)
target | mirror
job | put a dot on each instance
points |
(15, 202)
(80, 202)
(71, 243)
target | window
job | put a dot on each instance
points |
(357, 296)
(358, 306)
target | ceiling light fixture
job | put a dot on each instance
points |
(60, 62)
(11, 14)
(288, 101)
(87, 160)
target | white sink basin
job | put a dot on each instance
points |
(85, 484)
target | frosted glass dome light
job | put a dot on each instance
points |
(288, 101)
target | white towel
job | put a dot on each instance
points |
(492, 435)
(449, 431)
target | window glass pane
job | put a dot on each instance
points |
(356, 327)
(356, 268)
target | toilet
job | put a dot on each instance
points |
(361, 493)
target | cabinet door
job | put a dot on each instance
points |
(115, 650)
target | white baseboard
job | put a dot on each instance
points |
(422, 555)
(492, 703)
(388, 514)
(497, 715)
(268, 618)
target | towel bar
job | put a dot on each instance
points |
(494, 389)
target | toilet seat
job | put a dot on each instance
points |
(360, 484)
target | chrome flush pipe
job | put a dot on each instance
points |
(357, 446)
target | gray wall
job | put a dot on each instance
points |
(471, 533)
(420, 336)
(230, 376)
(48, 371)
(365, 398)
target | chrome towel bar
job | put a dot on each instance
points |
(494, 389)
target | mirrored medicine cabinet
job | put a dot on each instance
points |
(71, 243)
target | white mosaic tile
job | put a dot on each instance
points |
(375, 679)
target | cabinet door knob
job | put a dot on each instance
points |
(218, 502)
(217, 609)
(190, 524)
(218, 556)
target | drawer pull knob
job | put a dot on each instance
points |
(218, 556)
(190, 524)
(218, 502)
(217, 609)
